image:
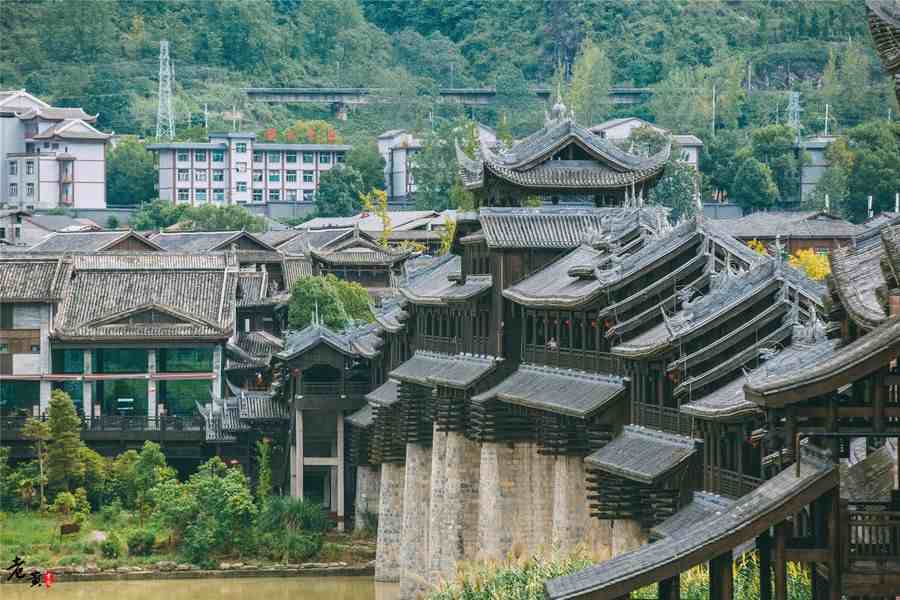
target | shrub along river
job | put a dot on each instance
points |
(274, 588)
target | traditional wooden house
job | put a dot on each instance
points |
(561, 163)
(89, 242)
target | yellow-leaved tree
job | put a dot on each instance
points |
(376, 202)
(757, 246)
(816, 266)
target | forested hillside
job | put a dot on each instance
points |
(739, 58)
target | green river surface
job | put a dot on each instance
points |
(250, 588)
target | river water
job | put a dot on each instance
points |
(250, 588)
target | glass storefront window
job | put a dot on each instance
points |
(68, 361)
(182, 397)
(120, 360)
(181, 360)
(125, 397)
(19, 397)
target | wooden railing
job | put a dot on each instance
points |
(663, 418)
(873, 536)
(730, 483)
(586, 360)
(12, 425)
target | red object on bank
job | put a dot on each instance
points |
(48, 579)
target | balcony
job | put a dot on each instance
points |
(585, 360)
(872, 532)
(663, 418)
(729, 483)
(115, 428)
(332, 395)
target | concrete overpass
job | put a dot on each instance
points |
(342, 98)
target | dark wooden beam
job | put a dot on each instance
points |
(764, 545)
(721, 580)
(670, 589)
(834, 543)
(780, 560)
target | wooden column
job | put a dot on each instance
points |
(780, 560)
(764, 545)
(721, 582)
(340, 471)
(670, 589)
(834, 546)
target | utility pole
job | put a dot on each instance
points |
(233, 118)
(451, 78)
(165, 116)
(205, 117)
(826, 120)
(714, 112)
(749, 74)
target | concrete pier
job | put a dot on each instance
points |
(438, 503)
(459, 539)
(415, 559)
(390, 522)
(572, 523)
(368, 490)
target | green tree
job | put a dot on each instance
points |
(675, 189)
(366, 159)
(64, 467)
(160, 214)
(876, 167)
(264, 476)
(773, 146)
(353, 297)
(339, 190)
(591, 77)
(647, 141)
(96, 475)
(435, 167)
(122, 478)
(112, 222)
(149, 469)
(754, 186)
(38, 431)
(131, 173)
(310, 294)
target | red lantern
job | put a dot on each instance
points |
(594, 323)
(566, 322)
(608, 323)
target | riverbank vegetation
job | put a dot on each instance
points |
(132, 510)
(523, 579)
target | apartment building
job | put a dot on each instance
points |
(233, 168)
(52, 157)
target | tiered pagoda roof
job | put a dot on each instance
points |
(452, 370)
(527, 163)
(440, 283)
(643, 455)
(884, 23)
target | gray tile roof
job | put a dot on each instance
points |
(261, 406)
(554, 227)
(688, 547)
(362, 418)
(300, 244)
(391, 316)
(703, 505)
(453, 370)
(87, 241)
(719, 303)
(25, 279)
(151, 261)
(294, 269)
(276, 237)
(206, 241)
(363, 340)
(99, 304)
(431, 284)
(884, 23)
(560, 391)
(802, 225)
(385, 394)
(872, 478)
(857, 279)
(641, 454)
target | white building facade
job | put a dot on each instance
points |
(397, 148)
(233, 168)
(618, 130)
(52, 157)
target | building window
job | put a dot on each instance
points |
(291, 176)
(218, 155)
(29, 189)
(200, 195)
(339, 157)
(29, 167)
(274, 156)
(257, 195)
(274, 176)
(308, 158)
(218, 175)
(184, 175)
(241, 186)
(182, 156)
(290, 195)
(257, 156)
(184, 196)
(219, 195)
(242, 167)
(240, 147)
(13, 189)
(6, 316)
(13, 167)
(35, 348)
(308, 177)
(308, 195)
(257, 175)
(200, 155)
(55, 146)
(325, 158)
(4, 348)
(290, 157)
(200, 175)
(274, 195)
